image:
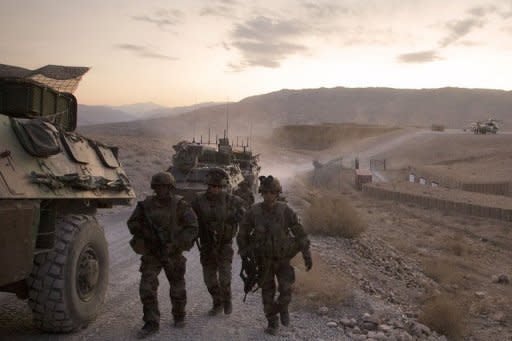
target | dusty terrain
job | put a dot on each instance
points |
(409, 268)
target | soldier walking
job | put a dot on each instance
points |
(218, 214)
(163, 226)
(244, 192)
(271, 233)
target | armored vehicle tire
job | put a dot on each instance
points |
(68, 285)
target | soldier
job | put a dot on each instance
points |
(219, 214)
(271, 233)
(163, 226)
(244, 191)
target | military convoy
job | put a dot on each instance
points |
(194, 160)
(52, 181)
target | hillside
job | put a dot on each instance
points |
(453, 107)
(102, 114)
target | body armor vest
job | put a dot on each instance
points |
(271, 235)
(213, 217)
(164, 216)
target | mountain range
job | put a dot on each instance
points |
(452, 107)
(101, 114)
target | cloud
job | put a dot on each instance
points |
(263, 28)
(419, 57)
(458, 29)
(482, 11)
(264, 41)
(217, 11)
(323, 10)
(144, 52)
(162, 18)
(223, 8)
(267, 54)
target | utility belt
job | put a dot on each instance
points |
(278, 249)
(223, 233)
(142, 247)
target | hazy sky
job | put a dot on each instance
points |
(183, 52)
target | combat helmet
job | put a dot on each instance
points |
(163, 178)
(217, 177)
(269, 184)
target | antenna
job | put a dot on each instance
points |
(209, 135)
(227, 118)
(250, 133)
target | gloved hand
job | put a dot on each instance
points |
(308, 260)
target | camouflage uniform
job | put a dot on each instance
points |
(274, 234)
(244, 192)
(218, 217)
(178, 224)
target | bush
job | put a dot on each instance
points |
(445, 315)
(333, 215)
(321, 286)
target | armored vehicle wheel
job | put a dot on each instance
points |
(68, 285)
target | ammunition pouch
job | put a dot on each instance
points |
(288, 248)
(138, 245)
(221, 233)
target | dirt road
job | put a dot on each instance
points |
(120, 317)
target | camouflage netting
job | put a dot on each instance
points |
(58, 77)
(80, 182)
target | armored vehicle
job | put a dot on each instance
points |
(193, 160)
(53, 252)
(248, 163)
(489, 126)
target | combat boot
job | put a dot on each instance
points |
(285, 317)
(226, 299)
(273, 325)
(216, 308)
(148, 329)
(179, 321)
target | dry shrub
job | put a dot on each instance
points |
(333, 215)
(455, 247)
(445, 315)
(440, 270)
(321, 286)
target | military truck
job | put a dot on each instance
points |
(53, 252)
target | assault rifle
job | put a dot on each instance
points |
(249, 273)
(162, 249)
(252, 269)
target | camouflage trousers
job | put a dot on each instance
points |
(175, 272)
(217, 264)
(283, 272)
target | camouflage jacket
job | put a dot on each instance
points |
(272, 232)
(218, 217)
(175, 218)
(246, 195)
